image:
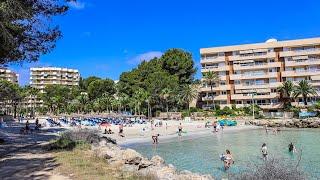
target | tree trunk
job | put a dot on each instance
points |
(167, 111)
(305, 100)
(214, 105)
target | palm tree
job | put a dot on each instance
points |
(286, 91)
(165, 93)
(188, 93)
(211, 78)
(304, 89)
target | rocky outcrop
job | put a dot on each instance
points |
(289, 123)
(132, 161)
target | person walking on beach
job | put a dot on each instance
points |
(180, 130)
(121, 130)
(264, 151)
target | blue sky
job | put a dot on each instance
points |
(106, 37)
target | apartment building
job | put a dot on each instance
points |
(8, 75)
(251, 73)
(43, 76)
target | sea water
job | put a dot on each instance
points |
(202, 154)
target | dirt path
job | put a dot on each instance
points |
(22, 156)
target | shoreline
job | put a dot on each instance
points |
(194, 134)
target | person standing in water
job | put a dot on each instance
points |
(292, 148)
(264, 151)
(227, 160)
(154, 137)
(180, 130)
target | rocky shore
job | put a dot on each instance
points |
(288, 123)
(132, 161)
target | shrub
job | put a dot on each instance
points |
(70, 139)
(269, 170)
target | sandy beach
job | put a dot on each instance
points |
(169, 130)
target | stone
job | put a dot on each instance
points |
(157, 160)
(144, 163)
(131, 156)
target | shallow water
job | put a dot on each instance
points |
(201, 154)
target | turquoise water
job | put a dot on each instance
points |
(201, 154)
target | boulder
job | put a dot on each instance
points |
(131, 156)
(157, 160)
(315, 124)
(144, 163)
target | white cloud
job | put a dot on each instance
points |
(144, 57)
(77, 4)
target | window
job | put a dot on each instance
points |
(273, 90)
(238, 102)
(237, 82)
(272, 80)
(223, 92)
(223, 102)
(222, 83)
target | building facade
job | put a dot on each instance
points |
(251, 73)
(41, 77)
(8, 75)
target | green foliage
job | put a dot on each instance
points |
(226, 111)
(172, 72)
(248, 110)
(304, 89)
(100, 87)
(26, 30)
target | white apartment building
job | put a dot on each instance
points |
(8, 75)
(43, 76)
(252, 72)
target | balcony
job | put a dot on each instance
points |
(301, 73)
(212, 59)
(219, 88)
(258, 86)
(252, 56)
(263, 106)
(215, 68)
(249, 97)
(216, 98)
(302, 63)
(300, 52)
(253, 76)
(259, 66)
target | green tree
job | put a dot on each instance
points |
(165, 94)
(286, 91)
(211, 78)
(187, 94)
(304, 89)
(180, 63)
(25, 28)
(99, 87)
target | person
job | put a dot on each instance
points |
(292, 148)
(266, 128)
(105, 131)
(222, 126)
(214, 124)
(264, 151)
(227, 160)
(154, 137)
(121, 130)
(179, 129)
(110, 131)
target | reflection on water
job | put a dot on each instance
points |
(202, 154)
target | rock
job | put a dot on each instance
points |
(131, 156)
(144, 163)
(157, 160)
(130, 168)
(315, 124)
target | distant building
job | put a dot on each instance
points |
(8, 75)
(251, 73)
(43, 76)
